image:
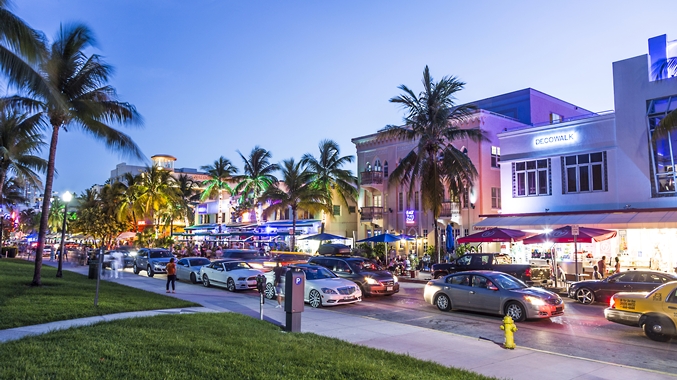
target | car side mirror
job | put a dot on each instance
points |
(492, 287)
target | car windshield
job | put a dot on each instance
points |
(198, 262)
(364, 266)
(237, 265)
(508, 282)
(160, 254)
(318, 273)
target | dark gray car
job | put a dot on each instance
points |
(370, 277)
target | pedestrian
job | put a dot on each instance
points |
(171, 275)
(118, 262)
(279, 271)
(595, 273)
(601, 264)
(617, 266)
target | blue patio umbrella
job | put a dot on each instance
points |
(382, 238)
(450, 238)
(323, 236)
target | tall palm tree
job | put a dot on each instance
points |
(188, 197)
(220, 173)
(20, 141)
(295, 192)
(86, 102)
(258, 175)
(55, 217)
(128, 196)
(28, 220)
(431, 120)
(328, 172)
(13, 190)
(157, 189)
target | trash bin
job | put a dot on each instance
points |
(93, 268)
(413, 273)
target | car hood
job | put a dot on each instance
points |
(378, 275)
(160, 260)
(331, 283)
(537, 292)
(245, 272)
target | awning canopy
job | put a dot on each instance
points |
(604, 219)
(494, 235)
(565, 235)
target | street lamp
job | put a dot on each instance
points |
(66, 197)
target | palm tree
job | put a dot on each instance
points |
(157, 189)
(295, 192)
(28, 220)
(86, 102)
(258, 175)
(188, 197)
(434, 162)
(220, 173)
(128, 196)
(328, 172)
(13, 190)
(55, 217)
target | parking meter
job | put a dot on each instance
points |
(261, 287)
(295, 283)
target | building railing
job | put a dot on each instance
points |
(371, 178)
(449, 208)
(371, 213)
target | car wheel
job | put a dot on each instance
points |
(653, 329)
(230, 285)
(150, 271)
(585, 296)
(443, 302)
(364, 294)
(193, 279)
(136, 269)
(515, 311)
(205, 281)
(270, 291)
(314, 298)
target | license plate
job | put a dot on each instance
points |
(349, 297)
(559, 308)
(389, 288)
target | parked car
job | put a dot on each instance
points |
(322, 287)
(334, 249)
(655, 312)
(492, 292)
(188, 268)
(284, 259)
(153, 260)
(240, 254)
(530, 274)
(231, 274)
(587, 292)
(127, 259)
(370, 277)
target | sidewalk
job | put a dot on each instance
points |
(482, 356)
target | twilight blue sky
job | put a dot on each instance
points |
(214, 76)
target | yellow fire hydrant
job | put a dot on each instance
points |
(509, 327)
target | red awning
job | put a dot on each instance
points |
(564, 235)
(493, 235)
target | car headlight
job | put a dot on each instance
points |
(241, 278)
(535, 301)
(395, 279)
(329, 291)
(371, 281)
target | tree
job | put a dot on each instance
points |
(29, 220)
(431, 120)
(96, 215)
(296, 193)
(157, 190)
(85, 102)
(258, 177)
(188, 196)
(220, 173)
(128, 196)
(328, 173)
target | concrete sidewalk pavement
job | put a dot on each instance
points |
(482, 356)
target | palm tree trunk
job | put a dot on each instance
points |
(293, 229)
(49, 179)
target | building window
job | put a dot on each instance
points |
(531, 178)
(337, 210)
(377, 165)
(425, 233)
(416, 205)
(555, 118)
(584, 173)
(495, 156)
(465, 198)
(385, 169)
(400, 202)
(496, 197)
(663, 149)
(377, 201)
(351, 209)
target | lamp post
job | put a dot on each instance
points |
(66, 197)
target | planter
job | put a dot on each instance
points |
(9, 252)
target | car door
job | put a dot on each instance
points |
(142, 259)
(182, 269)
(457, 287)
(622, 282)
(480, 298)
(460, 264)
(648, 281)
(670, 305)
(480, 262)
(220, 274)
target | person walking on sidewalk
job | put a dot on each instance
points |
(279, 271)
(171, 275)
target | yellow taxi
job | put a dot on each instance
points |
(654, 312)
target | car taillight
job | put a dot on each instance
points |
(527, 273)
(612, 303)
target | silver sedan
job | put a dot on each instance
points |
(188, 268)
(492, 292)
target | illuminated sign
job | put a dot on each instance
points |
(558, 139)
(202, 209)
(409, 217)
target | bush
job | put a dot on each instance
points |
(10, 252)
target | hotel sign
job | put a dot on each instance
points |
(558, 139)
(202, 209)
(409, 217)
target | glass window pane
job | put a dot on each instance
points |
(583, 179)
(542, 164)
(571, 180)
(583, 158)
(519, 166)
(596, 157)
(659, 105)
(531, 165)
(597, 180)
(543, 182)
(531, 177)
(570, 160)
(521, 184)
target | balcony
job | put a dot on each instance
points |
(371, 178)
(449, 208)
(371, 213)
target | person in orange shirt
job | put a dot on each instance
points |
(171, 275)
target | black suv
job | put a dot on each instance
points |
(370, 277)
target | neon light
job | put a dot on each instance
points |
(409, 217)
(558, 139)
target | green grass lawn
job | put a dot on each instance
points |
(69, 297)
(204, 346)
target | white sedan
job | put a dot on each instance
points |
(322, 288)
(233, 275)
(188, 268)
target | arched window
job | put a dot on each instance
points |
(385, 169)
(367, 167)
(377, 165)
